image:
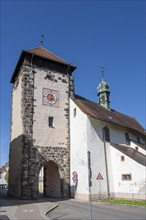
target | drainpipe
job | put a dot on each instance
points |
(106, 165)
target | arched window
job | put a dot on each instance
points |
(107, 134)
(75, 112)
(138, 140)
(127, 138)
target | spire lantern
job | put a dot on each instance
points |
(104, 92)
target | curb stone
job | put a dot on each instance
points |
(46, 208)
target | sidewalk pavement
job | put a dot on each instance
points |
(18, 209)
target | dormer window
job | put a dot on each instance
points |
(127, 138)
(107, 134)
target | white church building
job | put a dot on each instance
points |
(64, 145)
(116, 143)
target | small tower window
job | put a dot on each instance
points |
(126, 177)
(107, 134)
(122, 158)
(127, 138)
(51, 122)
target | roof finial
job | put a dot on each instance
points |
(42, 37)
(102, 71)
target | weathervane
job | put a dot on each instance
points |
(102, 71)
(42, 38)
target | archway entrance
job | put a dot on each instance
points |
(52, 183)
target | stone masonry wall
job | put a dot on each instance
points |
(35, 144)
(41, 156)
(27, 120)
(53, 143)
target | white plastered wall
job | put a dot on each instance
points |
(78, 151)
(16, 127)
(136, 187)
(128, 166)
(86, 134)
(98, 159)
(16, 139)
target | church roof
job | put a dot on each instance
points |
(110, 116)
(138, 144)
(44, 54)
(132, 153)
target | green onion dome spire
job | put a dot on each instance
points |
(104, 93)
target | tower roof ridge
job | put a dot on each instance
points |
(43, 52)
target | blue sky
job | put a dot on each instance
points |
(88, 34)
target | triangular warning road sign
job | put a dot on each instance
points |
(99, 177)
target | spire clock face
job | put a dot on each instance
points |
(50, 97)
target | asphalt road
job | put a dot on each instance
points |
(75, 210)
(17, 209)
(12, 208)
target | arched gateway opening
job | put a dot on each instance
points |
(51, 185)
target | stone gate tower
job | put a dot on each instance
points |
(40, 126)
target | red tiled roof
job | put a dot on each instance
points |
(3, 168)
(132, 153)
(42, 52)
(111, 116)
(143, 146)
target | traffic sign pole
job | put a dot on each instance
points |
(99, 178)
(99, 190)
(89, 183)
